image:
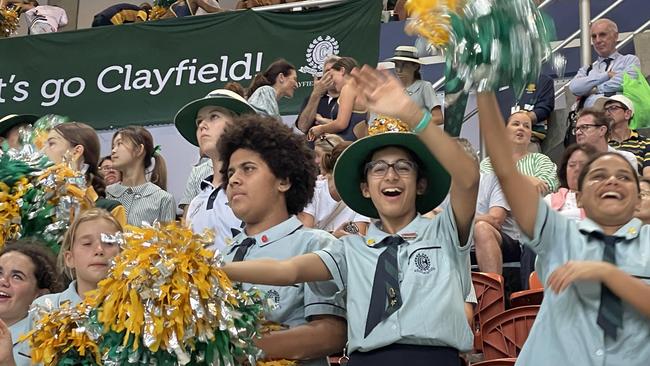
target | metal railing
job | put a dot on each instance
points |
(298, 4)
(440, 82)
(563, 44)
(621, 44)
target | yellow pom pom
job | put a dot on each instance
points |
(430, 19)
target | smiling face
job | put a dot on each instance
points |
(609, 191)
(287, 84)
(253, 188)
(89, 256)
(18, 286)
(519, 129)
(210, 123)
(603, 38)
(393, 190)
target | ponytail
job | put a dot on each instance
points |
(159, 172)
(141, 136)
(270, 75)
(258, 81)
(77, 133)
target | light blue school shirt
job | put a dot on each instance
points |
(296, 303)
(434, 275)
(565, 331)
(55, 301)
(21, 350)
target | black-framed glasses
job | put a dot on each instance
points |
(583, 128)
(613, 108)
(379, 168)
(324, 138)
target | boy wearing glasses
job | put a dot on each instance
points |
(406, 280)
(593, 129)
(621, 110)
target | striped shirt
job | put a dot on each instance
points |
(143, 203)
(535, 165)
(193, 186)
(638, 145)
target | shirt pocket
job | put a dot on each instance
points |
(426, 266)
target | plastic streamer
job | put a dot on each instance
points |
(165, 302)
(38, 199)
(487, 43)
(9, 18)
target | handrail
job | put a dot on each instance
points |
(623, 43)
(441, 81)
(561, 90)
(298, 4)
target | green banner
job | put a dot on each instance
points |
(143, 73)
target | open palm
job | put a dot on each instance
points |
(383, 93)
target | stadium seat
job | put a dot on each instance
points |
(504, 334)
(490, 300)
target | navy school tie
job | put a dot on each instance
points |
(385, 298)
(242, 249)
(610, 311)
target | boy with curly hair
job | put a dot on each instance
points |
(269, 174)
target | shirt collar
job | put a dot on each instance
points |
(207, 182)
(628, 231)
(413, 88)
(613, 56)
(271, 235)
(409, 232)
(18, 329)
(143, 189)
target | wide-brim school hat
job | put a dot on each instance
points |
(386, 132)
(405, 53)
(10, 121)
(185, 119)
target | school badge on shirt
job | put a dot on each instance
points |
(423, 263)
(274, 296)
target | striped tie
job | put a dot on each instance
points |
(385, 298)
(243, 249)
(610, 311)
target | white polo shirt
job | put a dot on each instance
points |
(210, 210)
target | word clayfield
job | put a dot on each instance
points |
(126, 77)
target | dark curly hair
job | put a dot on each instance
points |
(47, 277)
(286, 154)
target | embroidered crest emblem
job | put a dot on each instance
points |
(274, 296)
(318, 51)
(423, 263)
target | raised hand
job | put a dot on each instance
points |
(6, 346)
(384, 94)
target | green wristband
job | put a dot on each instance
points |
(424, 122)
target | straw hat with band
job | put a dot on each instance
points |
(185, 119)
(406, 53)
(12, 120)
(388, 132)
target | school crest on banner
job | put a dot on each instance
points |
(143, 73)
